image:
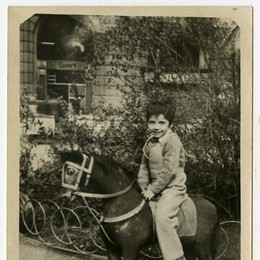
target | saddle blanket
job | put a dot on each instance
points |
(187, 219)
(187, 216)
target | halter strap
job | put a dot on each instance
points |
(82, 168)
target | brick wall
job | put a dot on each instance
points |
(28, 51)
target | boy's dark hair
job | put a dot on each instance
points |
(166, 108)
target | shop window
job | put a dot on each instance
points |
(65, 50)
(61, 37)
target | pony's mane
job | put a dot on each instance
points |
(109, 163)
(104, 161)
(72, 156)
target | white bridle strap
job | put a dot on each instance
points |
(81, 168)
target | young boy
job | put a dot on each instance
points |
(162, 177)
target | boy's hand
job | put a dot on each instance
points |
(148, 194)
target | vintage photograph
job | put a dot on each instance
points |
(130, 136)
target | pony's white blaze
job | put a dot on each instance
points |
(70, 175)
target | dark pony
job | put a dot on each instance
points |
(128, 221)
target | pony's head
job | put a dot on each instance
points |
(77, 168)
(91, 174)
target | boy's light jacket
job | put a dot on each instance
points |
(163, 163)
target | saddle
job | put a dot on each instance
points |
(187, 219)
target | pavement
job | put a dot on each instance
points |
(30, 249)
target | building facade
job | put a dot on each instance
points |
(58, 57)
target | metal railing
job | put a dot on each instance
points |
(77, 230)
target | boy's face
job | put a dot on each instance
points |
(158, 125)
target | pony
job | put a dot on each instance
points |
(128, 222)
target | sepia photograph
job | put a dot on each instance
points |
(131, 133)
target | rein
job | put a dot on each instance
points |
(104, 196)
(125, 216)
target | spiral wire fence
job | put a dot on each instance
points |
(77, 230)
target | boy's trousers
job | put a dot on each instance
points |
(165, 212)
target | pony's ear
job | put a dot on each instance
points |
(73, 156)
(65, 156)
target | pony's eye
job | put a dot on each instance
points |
(70, 171)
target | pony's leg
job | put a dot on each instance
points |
(205, 248)
(130, 254)
(113, 252)
(204, 252)
(189, 251)
(207, 224)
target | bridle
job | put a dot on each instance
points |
(88, 171)
(81, 169)
(75, 187)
